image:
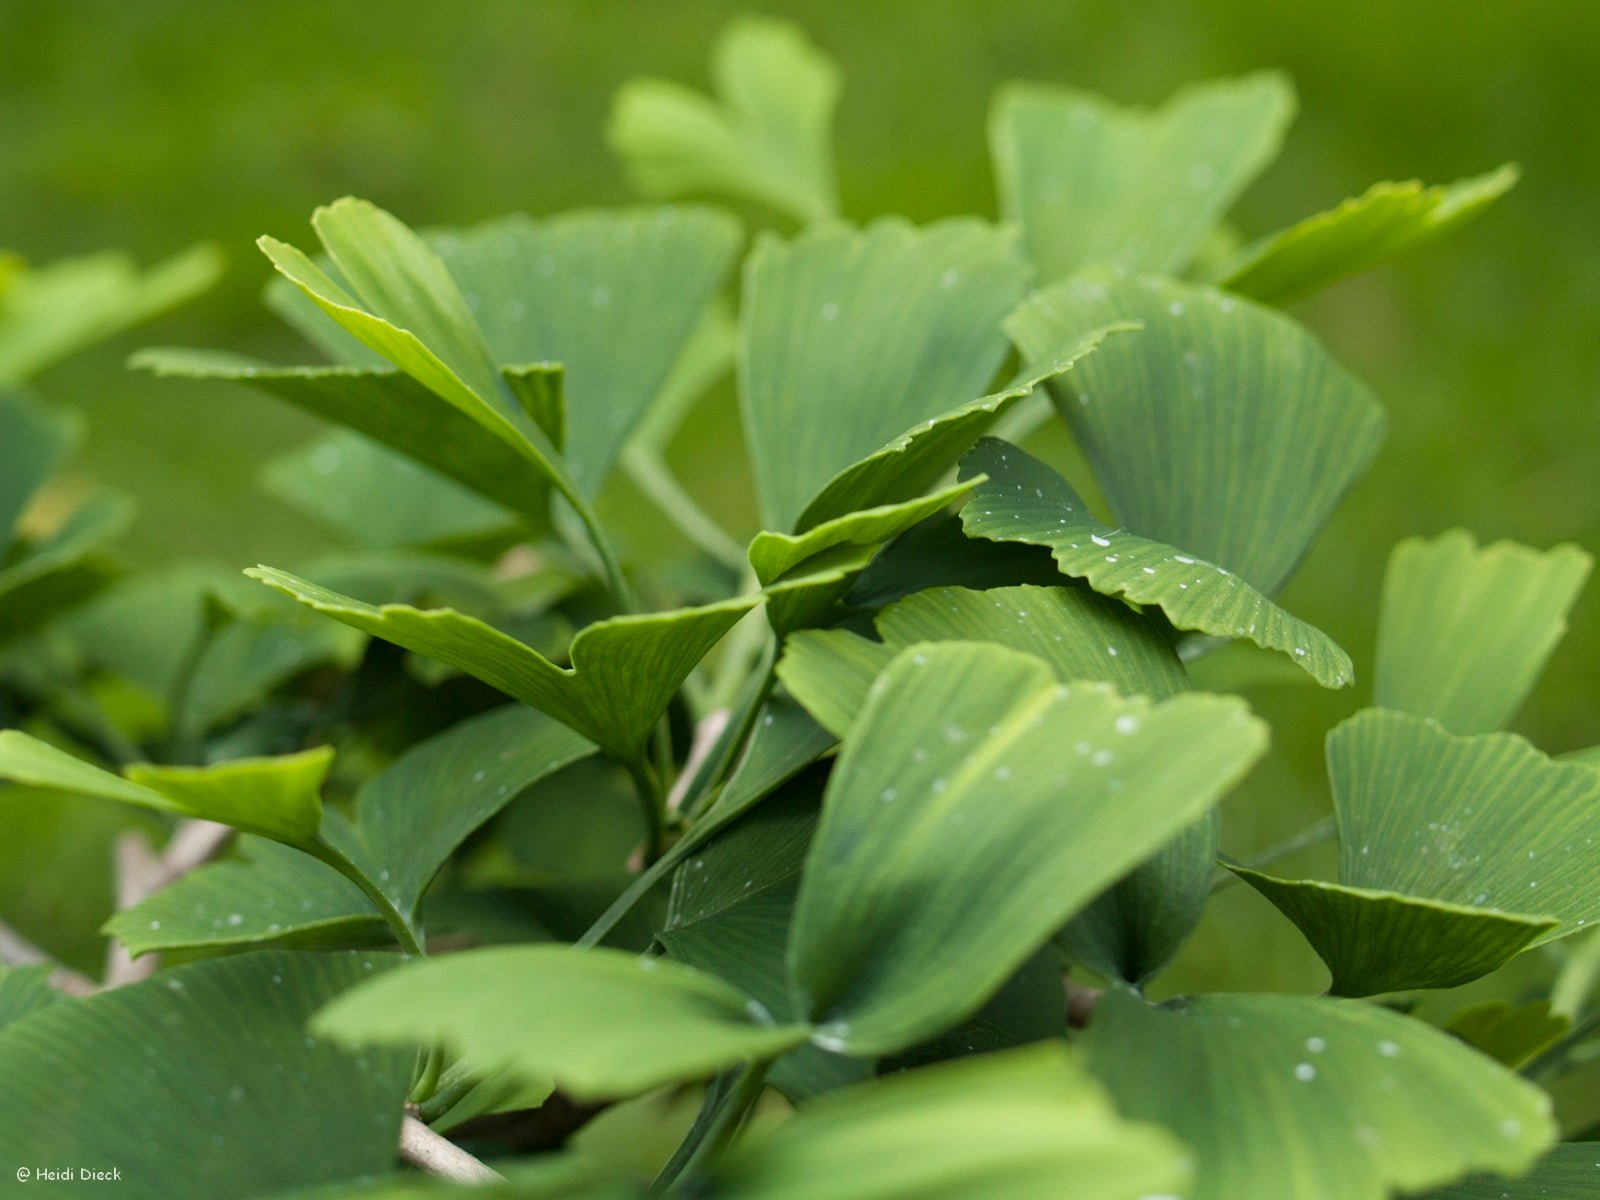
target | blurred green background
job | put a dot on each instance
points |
(152, 125)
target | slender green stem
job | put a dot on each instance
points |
(721, 1121)
(1312, 835)
(428, 1074)
(651, 476)
(653, 805)
(716, 766)
(340, 862)
(616, 582)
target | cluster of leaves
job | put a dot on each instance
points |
(832, 814)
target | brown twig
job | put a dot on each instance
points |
(426, 1150)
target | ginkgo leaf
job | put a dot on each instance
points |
(1571, 1171)
(937, 553)
(603, 1024)
(275, 797)
(1079, 634)
(34, 443)
(729, 912)
(911, 463)
(1134, 929)
(470, 445)
(373, 497)
(1023, 500)
(976, 806)
(62, 569)
(1092, 182)
(765, 137)
(192, 1084)
(1463, 633)
(48, 313)
(879, 497)
(24, 991)
(1026, 1124)
(1223, 428)
(613, 297)
(1455, 853)
(1313, 1099)
(1360, 233)
(849, 338)
(624, 671)
(408, 819)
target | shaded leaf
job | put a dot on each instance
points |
(1569, 1172)
(1463, 633)
(461, 439)
(1022, 1125)
(1360, 233)
(765, 137)
(849, 338)
(1025, 501)
(1091, 182)
(62, 569)
(1224, 429)
(373, 497)
(1300, 1097)
(624, 671)
(193, 1083)
(949, 849)
(1455, 853)
(601, 1023)
(1509, 1034)
(613, 297)
(34, 443)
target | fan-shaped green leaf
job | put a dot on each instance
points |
(1455, 854)
(729, 914)
(976, 806)
(1569, 1172)
(409, 818)
(49, 313)
(269, 895)
(1134, 929)
(1073, 630)
(1363, 232)
(1312, 1099)
(34, 442)
(1463, 633)
(937, 553)
(275, 797)
(849, 338)
(1223, 429)
(611, 296)
(193, 1084)
(472, 446)
(374, 497)
(766, 137)
(24, 991)
(1025, 501)
(602, 1023)
(624, 671)
(1091, 182)
(1023, 1125)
